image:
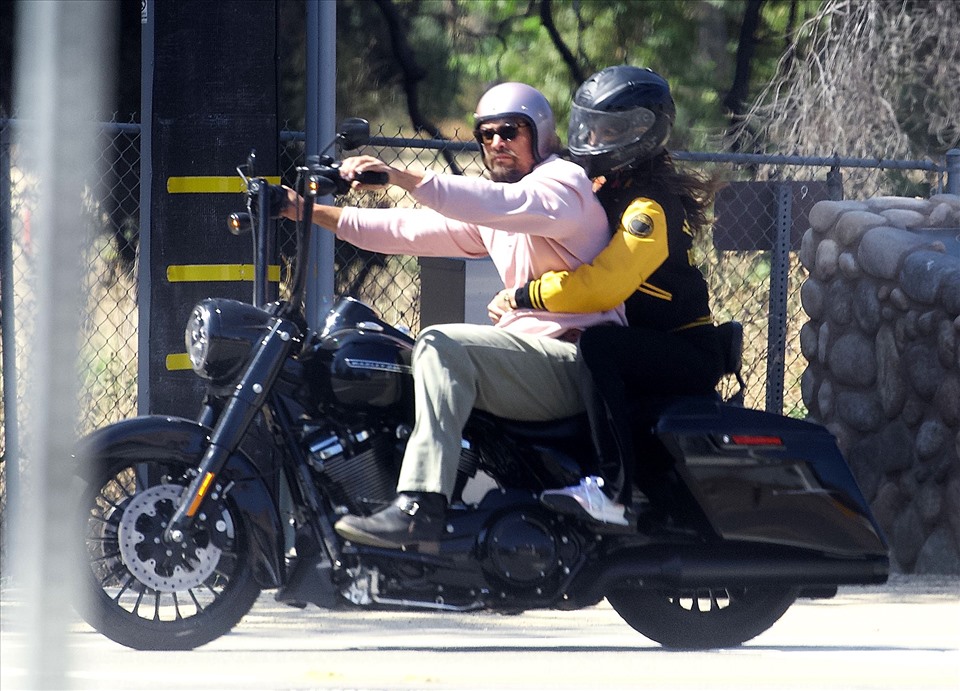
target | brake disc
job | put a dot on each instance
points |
(162, 566)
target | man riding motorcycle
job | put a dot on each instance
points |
(537, 214)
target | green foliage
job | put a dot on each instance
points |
(903, 184)
(463, 47)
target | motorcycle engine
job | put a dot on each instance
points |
(527, 549)
(358, 467)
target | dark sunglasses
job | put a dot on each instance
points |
(507, 131)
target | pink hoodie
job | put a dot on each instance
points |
(548, 221)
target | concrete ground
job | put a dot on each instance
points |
(903, 635)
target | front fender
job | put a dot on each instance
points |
(142, 438)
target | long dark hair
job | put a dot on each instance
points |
(694, 190)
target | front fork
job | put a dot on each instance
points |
(247, 399)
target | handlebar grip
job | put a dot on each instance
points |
(278, 200)
(371, 177)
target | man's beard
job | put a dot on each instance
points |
(502, 173)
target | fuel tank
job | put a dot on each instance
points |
(367, 360)
(369, 369)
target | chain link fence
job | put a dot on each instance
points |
(109, 218)
(750, 260)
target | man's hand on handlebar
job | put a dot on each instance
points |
(355, 167)
(362, 173)
(291, 209)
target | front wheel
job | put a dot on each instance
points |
(703, 617)
(145, 593)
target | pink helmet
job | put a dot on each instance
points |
(513, 99)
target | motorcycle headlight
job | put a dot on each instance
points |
(220, 335)
(197, 338)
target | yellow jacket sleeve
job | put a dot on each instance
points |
(639, 246)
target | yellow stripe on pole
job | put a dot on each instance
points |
(178, 361)
(210, 184)
(198, 273)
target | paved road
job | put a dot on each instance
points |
(904, 635)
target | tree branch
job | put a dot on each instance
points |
(546, 18)
(740, 89)
(413, 74)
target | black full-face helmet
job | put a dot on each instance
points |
(621, 116)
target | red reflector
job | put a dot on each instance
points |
(755, 440)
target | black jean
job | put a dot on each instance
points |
(621, 365)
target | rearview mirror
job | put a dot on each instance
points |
(353, 133)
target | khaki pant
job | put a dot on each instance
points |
(457, 367)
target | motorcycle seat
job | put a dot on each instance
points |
(645, 408)
(574, 426)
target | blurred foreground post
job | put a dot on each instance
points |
(65, 54)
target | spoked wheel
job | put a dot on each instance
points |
(703, 617)
(151, 594)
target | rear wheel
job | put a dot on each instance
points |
(703, 617)
(146, 593)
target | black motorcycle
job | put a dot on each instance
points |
(740, 511)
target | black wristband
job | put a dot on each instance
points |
(522, 296)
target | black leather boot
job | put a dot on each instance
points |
(413, 517)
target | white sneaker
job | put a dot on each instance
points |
(587, 497)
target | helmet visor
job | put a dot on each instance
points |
(595, 131)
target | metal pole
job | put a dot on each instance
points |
(779, 275)
(320, 130)
(8, 328)
(144, 262)
(953, 172)
(835, 183)
(262, 241)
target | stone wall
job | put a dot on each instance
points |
(883, 347)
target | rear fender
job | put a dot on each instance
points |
(142, 438)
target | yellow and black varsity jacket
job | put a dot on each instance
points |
(648, 264)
